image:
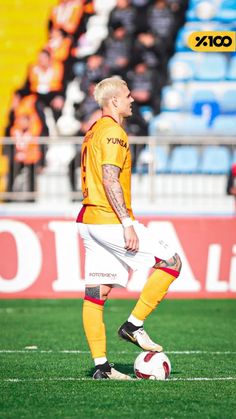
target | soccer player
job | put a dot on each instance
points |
(114, 241)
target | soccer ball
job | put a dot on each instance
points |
(152, 366)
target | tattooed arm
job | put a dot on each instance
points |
(115, 196)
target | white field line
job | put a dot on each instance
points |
(68, 351)
(48, 379)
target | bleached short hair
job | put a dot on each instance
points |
(107, 88)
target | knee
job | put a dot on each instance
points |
(97, 292)
(174, 263)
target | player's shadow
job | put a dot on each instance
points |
(124, 368)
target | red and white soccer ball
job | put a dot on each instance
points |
(152, 366)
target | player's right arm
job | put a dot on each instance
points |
(115, 196)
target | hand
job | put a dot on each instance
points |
(131, 239)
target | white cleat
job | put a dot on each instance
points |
(110, 375)
(139, 337)
(117, 375)
(145, 342)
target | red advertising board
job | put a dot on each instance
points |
(44, 257)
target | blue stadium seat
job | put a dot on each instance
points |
(228, 102)
(227, 11)
(203, 95)
(172, 99)
(163, 123)
(184, 159)
(215, 160)
(204, 103)
(191, 124)
(159, 160)
(181, 66)
(211, 67)
(202, 11)
(178, 123)
(231, 72)
(224, 125)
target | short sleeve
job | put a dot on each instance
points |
(114, 146)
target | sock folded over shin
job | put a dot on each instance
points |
(94, 326)
(154, 291)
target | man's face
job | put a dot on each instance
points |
(44, 59)
(124, 101)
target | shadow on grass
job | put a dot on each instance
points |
(124, 368)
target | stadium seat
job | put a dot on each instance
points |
(204, 103)
(210, 67)
(215, 160)
(224, 125)
(204, 10)
(191, 125)
(184, 159)
(231, 72)
(172, 99)
(163, 123)
(181, 67)
(159, 159)
(226, 11)
(178, 123)
(228, 102)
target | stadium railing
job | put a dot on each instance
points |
(155, 173)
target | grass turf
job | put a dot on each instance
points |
(48, 382)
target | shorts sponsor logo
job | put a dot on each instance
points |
(122, 143)
(212, 41)
(103, 275)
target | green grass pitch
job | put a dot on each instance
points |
(53, 380)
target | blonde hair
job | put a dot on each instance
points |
(106, 88)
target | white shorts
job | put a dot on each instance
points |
(106, 259)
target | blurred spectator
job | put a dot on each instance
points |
(136, 126)
(116, 50)
(141, 7)
(160, 21)
(178, 8)
(46, 80)
(94, 71)
(87, 112)
(144, 86)
(25, 155)
(59, 45)
(125, 13)
(29, 106)
(150, 49)
(71, 16)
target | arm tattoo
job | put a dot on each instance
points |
(114, 190)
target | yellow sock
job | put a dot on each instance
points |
(153, 292)
(94, 328)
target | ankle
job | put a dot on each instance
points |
(105, 367)
(132, 326)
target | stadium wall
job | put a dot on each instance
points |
(43, 257)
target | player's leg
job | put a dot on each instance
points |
(167, 267)
(94, 327)
(93, 308)
(155, 289)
